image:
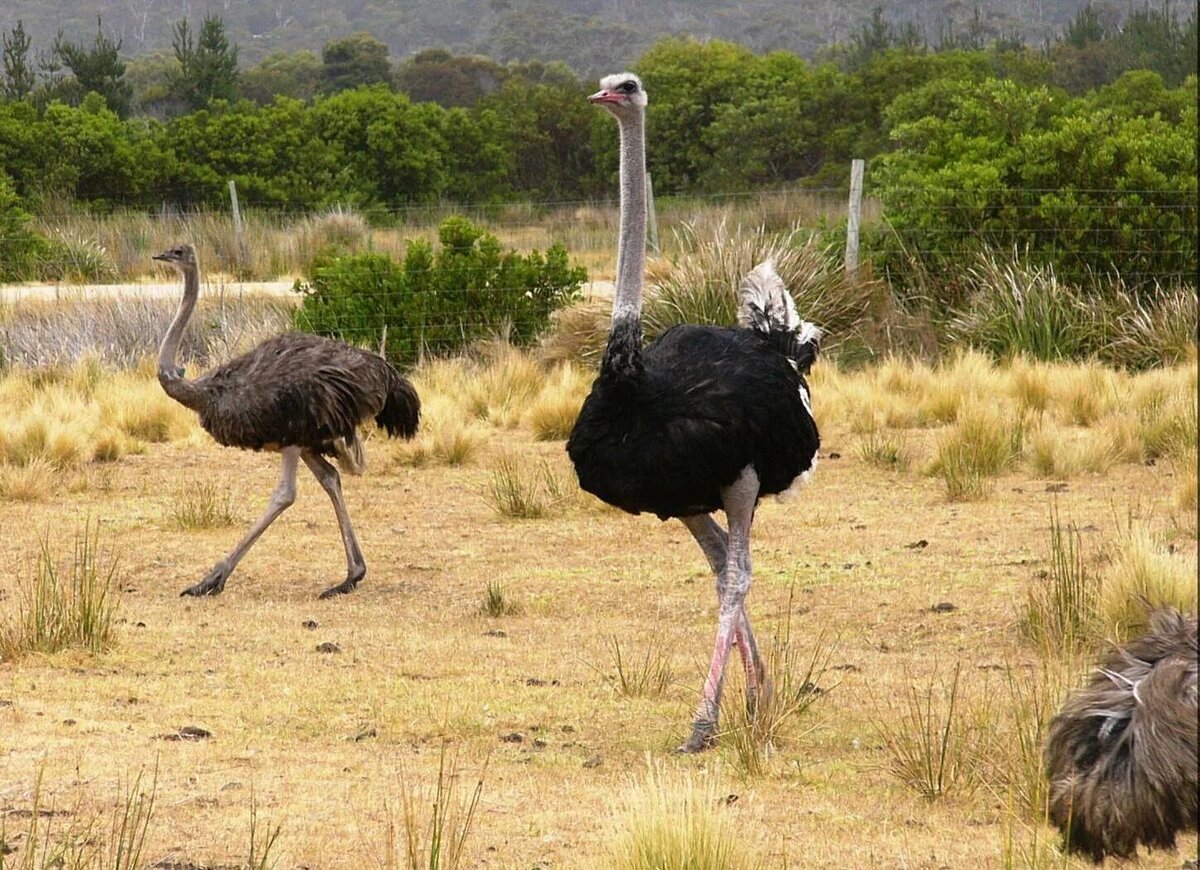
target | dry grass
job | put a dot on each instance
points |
(678, 821)
(647, 675)
(202, 504)
(68, 602)
(1144, 574)
(1061, 602)
(317, 737)
(934, 738)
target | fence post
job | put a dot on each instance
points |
(852, 216)
(652, 222)
(237, 223)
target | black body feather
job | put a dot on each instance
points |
(664, 429)
(301, 390)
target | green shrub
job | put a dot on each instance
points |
(437, 301)
(21, 249)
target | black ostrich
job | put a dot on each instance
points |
(1121, 753)
(301, 395)
(703, 418)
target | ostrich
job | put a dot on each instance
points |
(1121, 753)
(701, 419)
(301, 395)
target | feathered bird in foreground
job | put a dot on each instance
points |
(301, 395)
(702, 419)
(1121, 754)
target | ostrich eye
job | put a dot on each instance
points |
(627, 87)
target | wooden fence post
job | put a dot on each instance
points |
(652, 222)
(237, 224)
(852, 216)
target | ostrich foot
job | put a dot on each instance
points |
(704, 736)
(346, 586)
(212, 584)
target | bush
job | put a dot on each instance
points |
(21, 249)
(437, 302)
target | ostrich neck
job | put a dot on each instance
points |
(631, 244)
(623, 355)
(169, 373)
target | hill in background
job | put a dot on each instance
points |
(592, 36)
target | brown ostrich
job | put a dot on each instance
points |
(1121, 754)
(297, 394)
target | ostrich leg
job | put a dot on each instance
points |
(739, 499)
(281, 499)
(714, 541)
(331, 482)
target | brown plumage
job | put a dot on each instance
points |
(301, 395)
(1121, 754)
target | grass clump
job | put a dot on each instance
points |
(496, 602)
(519, 490)
(552, 414)
(434, 823)
(671, 821)
(885, 450)
(1061, 604)
(67, 603)
(1018, 308)
(984, 442)
(202, 504)
(933, 743)
(646, 676)
(1143, 575)
(30, 482)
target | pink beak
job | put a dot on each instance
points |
(604, 97)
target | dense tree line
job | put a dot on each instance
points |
(302, 132)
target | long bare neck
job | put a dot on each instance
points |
(631, 244)
(623, 354)
(169, 373)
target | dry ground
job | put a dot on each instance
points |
(320, 741)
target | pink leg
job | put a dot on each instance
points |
(740, 499)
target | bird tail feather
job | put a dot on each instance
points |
(401, 413)
(768, 307)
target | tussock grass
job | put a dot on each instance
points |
(69, 602)
(431, 826)
(503, 386)
(700, 283)
(1057, 452)
(885, 450)
(1143, 575)
(444, 438)
(934, 741)
(496, 602)
(202, 504)
(33, 481)
(1061, 605)
(521, 490)
(648, 675)
(982, 444)
(1185, 492)
(678, 821)
(552, 414)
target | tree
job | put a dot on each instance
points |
(280, 74)
(98, 69)
(207, 65)
(19, 77)
(358, 59)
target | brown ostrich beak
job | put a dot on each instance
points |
(604, 96)
(166, 258)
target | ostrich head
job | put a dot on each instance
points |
(621, 94)
(182, 257)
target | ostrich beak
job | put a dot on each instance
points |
(604, 97)
(164, 257)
